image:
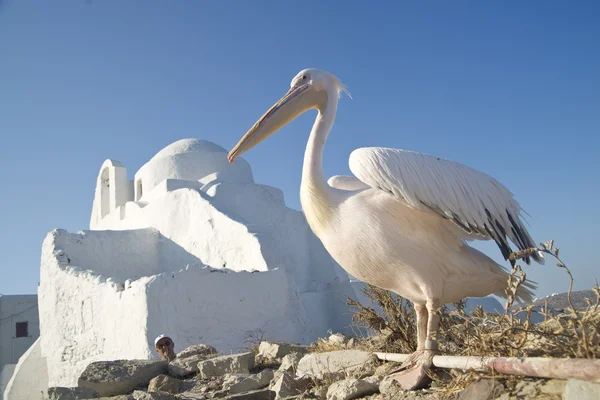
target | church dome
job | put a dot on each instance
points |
(189, 145)
(190, 160)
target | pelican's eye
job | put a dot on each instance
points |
(303, 77)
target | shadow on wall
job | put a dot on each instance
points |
(123, 255)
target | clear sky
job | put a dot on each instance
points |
(511, 88)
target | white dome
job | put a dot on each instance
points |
(189, 145)
(190, 160)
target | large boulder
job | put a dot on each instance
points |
(334, 364)
(276, 351)
(240, 363)
(164, 383)
(197, 350)
(110, 378)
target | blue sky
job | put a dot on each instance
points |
(510, 88)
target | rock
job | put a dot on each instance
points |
(290, 362)
(244, 383)
(219, 394)
(385, 369)
(390, 389)
(264, 394)
(235, 363)
(581, 390)
(337, 339)
(192, 396)
(286, 385)
(177, 371)
(526, 388)
(553, 387)
(141, 395)
(233, 379)
(351, 343)
(71, 393)
(164, 383)
(374, 380)
(119, 397)
(276, 351)
(334, 364)
(109, 378)
(485, 389)
(198, 350)
(304, 396)
(181, 367)
(319, 392)
(350, 389)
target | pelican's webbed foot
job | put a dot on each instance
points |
(413, 373)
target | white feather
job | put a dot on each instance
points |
(344, 182)
(454, 191)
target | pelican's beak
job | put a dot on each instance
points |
(296, 101)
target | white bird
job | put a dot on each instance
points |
(403, 222)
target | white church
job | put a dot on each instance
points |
(190, 247)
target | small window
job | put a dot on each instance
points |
(22, 329)
(139, 190)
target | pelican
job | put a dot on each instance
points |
(403, 222)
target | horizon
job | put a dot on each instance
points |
(511, 90)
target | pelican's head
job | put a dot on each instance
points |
(309, 89)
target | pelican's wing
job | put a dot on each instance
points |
(344, 182)
(475, 202)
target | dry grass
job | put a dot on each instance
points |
(572, 333)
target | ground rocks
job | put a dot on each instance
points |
(485, 389)
(334, 375)
(71, 393)
(164, 383)
(264, 394)
(334, 364)
(350, 389)
(276, 351)
(580, 390)
(141, 395)
(290, 362)
(186, 363)
(337, 339)
(110, 378)
(198, 350)
(244, 383)
(218, 366)
(286, 385)
(181, 367)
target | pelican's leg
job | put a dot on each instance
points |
(433, 323)
(422, 323)
(420, 362)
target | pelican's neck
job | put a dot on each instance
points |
(316, 195)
